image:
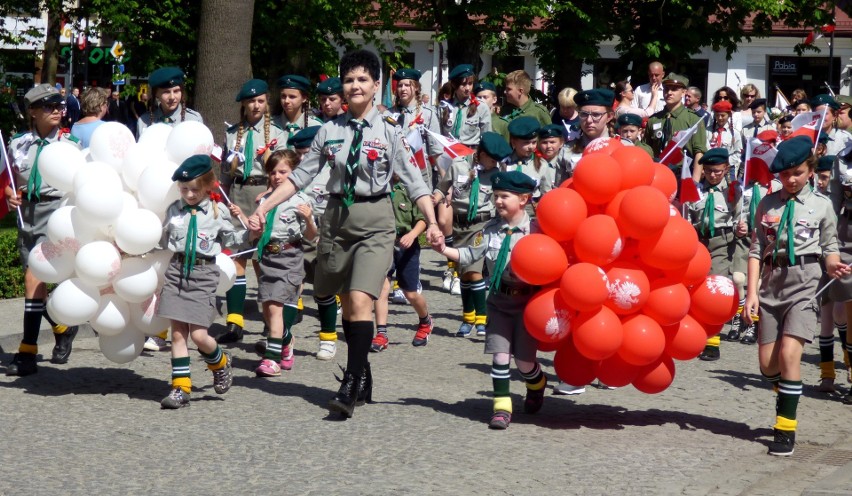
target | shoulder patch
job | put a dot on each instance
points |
(477, 241)
(70, 137)
(390, 120)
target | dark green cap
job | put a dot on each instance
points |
(514, 181)
(760, 102)
(824, 99)
(304, 137)
(192, 167)
(600, 96)
(252, 88)
(826, 162)
(791, 153)
(166, 77)
(824, 138)
(407, 73)
(675, 80)
(629, 119)
(300, 83)
(461, 71)
(551, 131)
(494, 145)
(524, 127)
(714, 156)
(843, 100)
(483, 86)
(331, 86)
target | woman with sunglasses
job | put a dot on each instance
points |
(37, 200)
(748, 95)
(727, 94)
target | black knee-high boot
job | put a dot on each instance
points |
(355, 385)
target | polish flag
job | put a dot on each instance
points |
(818, 33)
(415, 141)
(807, 124)
(688, 189)
(759, 157)
(780, 102)
(452, 147)
(673, 152)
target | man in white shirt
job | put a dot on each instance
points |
(644, 92)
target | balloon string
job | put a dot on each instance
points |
(235, 255)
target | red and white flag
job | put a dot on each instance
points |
(673, 152)
(759, 156)
(780, 102)
(688, 189)
(415, 141)
(807, 124)
(452, 147)
(818, 33)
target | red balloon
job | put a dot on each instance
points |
(568, 183)
(714, 301)
(630, 253)
(657, 377)
(612, 208)
(696, 270)
(597, 177)
(572, 367)
(547, 318)
(560, 212)
(568, 248)
(668, 302)
(643, 341)
(538, 259)
(643, 212)
(685, 340)
(597, 335)
(674, 247)
(549, 347)
(584, 287)
(628, 288)
(637, 167)
(615, 372)
(605, 145)
(712, 330)
(665, 181)
(598, 241)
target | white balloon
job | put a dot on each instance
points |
(227, 272)
(110, 143)
(99, 204)
(73, 302)
(97, 171)
(64, 226)
(98, 263)
(138, 231)
(187, 139)
(66, 200)
(90, 230)
(143, 316)
(140, 156)
(155, 136)
(112, 316)
(155, 189)
(136, 280)
(160, 262)
(52, 262)
(123, 347)
(58, 163)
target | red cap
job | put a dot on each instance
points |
(768, 136)
(722, 106)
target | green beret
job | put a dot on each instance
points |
(407, 73)
(192, 167)
(824, 99)
(166, 77)
(791, 153)
(304, 137)
(524, 128)
(42, 94)
(551, 131)
(629, 119)
(483, 86)
(826, 162)
(824, 138)
(331, 86)
(675, 80)
(461, 71)
(714, 156)
(514, 181)
(252, 88)
(759, 102)
(600, 96)
(843, 100)
(494, 145)
(293, 81)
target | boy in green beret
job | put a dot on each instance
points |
(551, 150)
(630, 130)
(331, 101)
(524, 141)
(508, 295)
(169, 103)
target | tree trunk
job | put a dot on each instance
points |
(224, 61)
(50, 58)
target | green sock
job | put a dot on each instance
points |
(180, 374)
(467, 298)
(273, 349)
(788, 398)
(500, 379)
(290, 315)
(213, 358)
(327, 309)
(236, 296)
(478, 296)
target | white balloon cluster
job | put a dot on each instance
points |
(101, 247)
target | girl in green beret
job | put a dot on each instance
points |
(464, 117)
(293, 98)
(331, 98)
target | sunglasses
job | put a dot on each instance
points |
(724, 98)
(53, 107)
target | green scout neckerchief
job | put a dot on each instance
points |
(34, 181)
(786, 224)
(248, 153)
(352, 162)
(459, 119)
(191, 237)
(473, 199)
(708, 215)
(752, 205)
(267, 232)
(502, 258)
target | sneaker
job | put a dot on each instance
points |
(398, 297)
(62, 350)
(447, 280)
(224, 377)
(534, 400)
(260, 347)
(827, 386)
(846, 399)
(736, 328)
(749, 335)
(455, 286)
(565, 388)
(155, 343)
(267, 368)
(287, 356)
(710, 354)
(233, 334)
(327, 350)
(783, 443)
(176, 399)
(22, 364)
(380, 342)
(464, 330)
(600, 385)
(480, 329)
(500, 420)
(421, 337)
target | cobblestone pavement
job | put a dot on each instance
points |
(94, 427)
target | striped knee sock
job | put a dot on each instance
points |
(841, 331)
(826, 357)
(273, 349)
(772, 379)
(180, 374)
(535, 378)
(215, 360)
(236, 301)
(469, 311)
(290, 314)
(449, 240)
(500, 380)
(327, 309)
(33, 310)
(478, 290)
(788, 401)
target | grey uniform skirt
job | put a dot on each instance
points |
(281, 274)
(244, 197)
(34, 218)
(192, 299)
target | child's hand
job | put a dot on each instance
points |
(255, 222)
(751, 306)
(407, 240)
(305, 211)
(837, 269)
(13, 197)
(742, 229)
(235, 210)
(260, 196)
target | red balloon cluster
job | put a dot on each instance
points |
(626, 286)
